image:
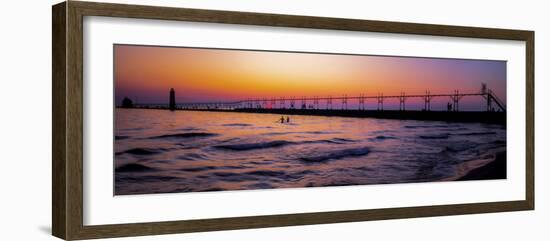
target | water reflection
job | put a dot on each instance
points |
(160, 151)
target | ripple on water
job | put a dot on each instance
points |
(237, 124)
(337, 154)
(142, 151)
(435, 136)
(381, 138)
(198, 169)
(253, 146)
(278, 143)
(184, 135)
(192, 157)
(134, 167)
(481, 133)
(260, 185)
(121, 137)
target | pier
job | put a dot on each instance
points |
(495, 109)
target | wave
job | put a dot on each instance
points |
(446, 135)
(188, 129)
(266, 173)
(142, 151)
(188, 146)
(253, 146)
(458, 147)
(300, 132)
(121, 137)
(237, 124)
(208, 168)
(331, 141)
(300, 174)
(428, 126)
(279, 133)
(234, 177)
(341, 140)
(133, 167)
(260, 175)
(260, 185)
(339, 154)
(320, 132)
(133, 129)
(477, 133)
(263, 162)
(184, 135)
(384, 137)
(213, 189)
(198, 169)
(145, 179)
(192, 157)
(438, 136)
(278, 143)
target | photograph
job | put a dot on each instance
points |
(202, 119)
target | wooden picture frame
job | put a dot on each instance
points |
(67, 124)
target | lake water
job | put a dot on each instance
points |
(159, 151)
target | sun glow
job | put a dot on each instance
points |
(148, 72)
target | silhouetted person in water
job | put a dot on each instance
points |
(287, 119)
(282, 119)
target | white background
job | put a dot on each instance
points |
(25, 123)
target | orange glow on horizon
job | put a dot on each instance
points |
(148, 73)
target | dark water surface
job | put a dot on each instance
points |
(158, 151)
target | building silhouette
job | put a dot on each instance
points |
(172, 104)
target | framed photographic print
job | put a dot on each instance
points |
(171, 120)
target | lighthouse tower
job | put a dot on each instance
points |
(172, 104)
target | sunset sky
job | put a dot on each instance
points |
(146, 73)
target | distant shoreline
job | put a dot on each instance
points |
(449, 116)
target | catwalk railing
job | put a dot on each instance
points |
(338, 102)
(495, 109)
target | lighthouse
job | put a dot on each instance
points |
(172, 104)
